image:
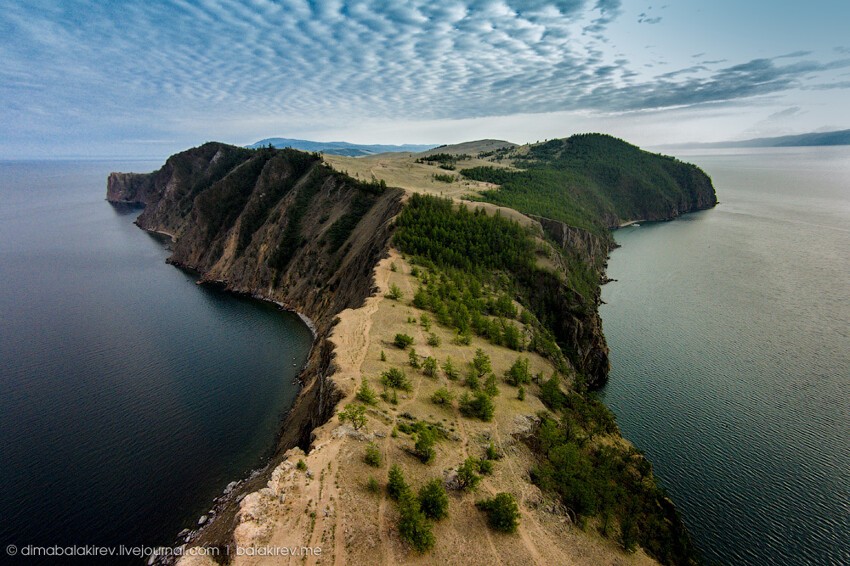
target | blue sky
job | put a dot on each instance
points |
(99, 78)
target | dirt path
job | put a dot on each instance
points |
(329, 506)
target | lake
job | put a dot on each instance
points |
(129, 395)
(729, 332)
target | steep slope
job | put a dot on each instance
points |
(595, 182)
(276, 224)
(283, 226)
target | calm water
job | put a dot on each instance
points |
(129, 396)
(730, 339)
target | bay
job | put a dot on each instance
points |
(129, 395)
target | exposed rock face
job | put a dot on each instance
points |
(589, 245)
(130, 188)
(282, 226)
(275, 224)
(583, 328)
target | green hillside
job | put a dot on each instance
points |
(596, 181)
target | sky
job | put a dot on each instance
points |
(97, 78)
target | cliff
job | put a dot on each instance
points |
(596, 182)
(275, 224)
(282, 225)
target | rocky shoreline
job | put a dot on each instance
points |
(241, 254)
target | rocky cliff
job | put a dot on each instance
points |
(283, 226)
(275, 224)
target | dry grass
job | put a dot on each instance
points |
(334, 509)
(401, 170)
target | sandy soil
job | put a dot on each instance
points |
(328, 506)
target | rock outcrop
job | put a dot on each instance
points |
(278, 225)
(283, 226)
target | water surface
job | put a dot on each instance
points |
(129, 395)
(730, 344)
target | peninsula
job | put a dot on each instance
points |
(447, 412)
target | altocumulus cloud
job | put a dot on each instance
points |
(125, 63)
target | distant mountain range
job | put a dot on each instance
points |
(839, 137)
(338, 148)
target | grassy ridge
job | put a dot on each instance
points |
(474, 265)
(594, 181)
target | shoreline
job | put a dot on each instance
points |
(273, 498)
(236, 490)
(629, 223)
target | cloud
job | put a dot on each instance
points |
(786, 113)
(646, 17)
(794, 55)
(102, 65)
(746, 80)
(643, 18)
(830, 86)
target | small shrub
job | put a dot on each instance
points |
(429, 367)
(502, 512)
(521, 393)
(396, 484)
(433, 500)
(373, 455)
(396, 379)
(394, 293)
(372, 485)
(425, 321)
(403, 340)
(383, 356)
(463, 338)
(467, 474)
(491, 453)
(393, 267)
(485, 467)
(442, 396)
(366, 394)
(433, 340)
(355, 414)
(301, 465)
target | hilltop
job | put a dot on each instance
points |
(458, 345)
(337, 147)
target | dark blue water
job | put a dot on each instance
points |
(730, 343)
(129, 395)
